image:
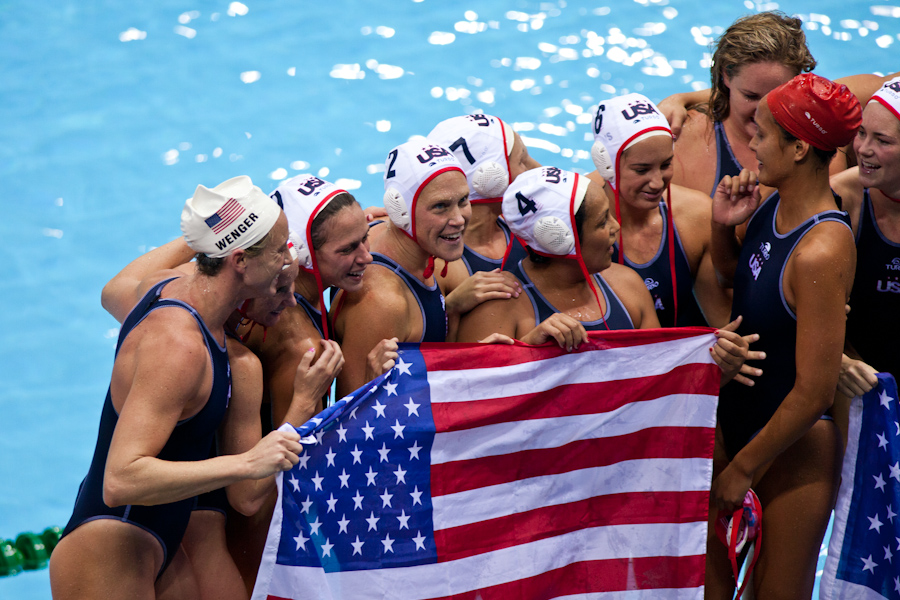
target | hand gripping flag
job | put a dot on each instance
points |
(864, 551)
(496, 471)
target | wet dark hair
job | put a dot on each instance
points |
(211, 266)
(823, 156)
(580, 216)
(337, 204)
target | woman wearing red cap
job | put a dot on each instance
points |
(791, 260)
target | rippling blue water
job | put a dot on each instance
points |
(111, 113)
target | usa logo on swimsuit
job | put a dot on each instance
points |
(758, 259)
(892, 286)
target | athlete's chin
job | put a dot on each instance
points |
(352, 282)
(449, 250)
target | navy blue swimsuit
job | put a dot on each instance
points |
(726, 163)
(430, 299)
(872, 325)
(657, 276)
(478, 262)
(192, 439)
(616, 316)
(759, 297)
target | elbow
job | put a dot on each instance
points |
(114, 492)
(106, 298)
(244, 503)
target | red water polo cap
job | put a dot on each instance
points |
(816, 110)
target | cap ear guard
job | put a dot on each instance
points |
(553, 234)
(396, 208)
(299, 251)
(603, 161)
(490, 180)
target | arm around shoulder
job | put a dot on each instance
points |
(123, 291)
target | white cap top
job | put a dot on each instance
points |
(540, 207)
(482, 144)
(408, 169)
(889, 96)
(301, 198)
(235, 214)
(619, 123)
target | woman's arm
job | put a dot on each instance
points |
(124, 290)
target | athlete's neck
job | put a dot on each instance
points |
(562, 282)
(306, 286)
(398, 246)
(483, 234)
(803, 195)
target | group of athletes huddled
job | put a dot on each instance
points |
(764, 207)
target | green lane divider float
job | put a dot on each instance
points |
(29, 551)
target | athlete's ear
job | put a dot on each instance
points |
(801, 150)
(238, 259)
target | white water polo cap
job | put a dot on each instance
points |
(619, 123)
(408, 169)
(889, 96)
(233, 215)
(302, 198)
(540, 207)
(482, 144)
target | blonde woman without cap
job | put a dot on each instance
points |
(714, 127)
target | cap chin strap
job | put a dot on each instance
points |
(429, 268)
(587, 276)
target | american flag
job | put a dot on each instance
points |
(865, 539)
(225, 216)
(493, 471)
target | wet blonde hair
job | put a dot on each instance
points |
(765, 37)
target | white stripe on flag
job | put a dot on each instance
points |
(649, 475)
(494, 568)
(680, 410)
(582, 367)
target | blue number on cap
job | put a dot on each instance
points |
(391, 172)
(462, 142)
(526, 205)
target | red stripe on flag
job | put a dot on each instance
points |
(597, 576)
(658, 442)
(580, 399)
(228, 213)
(551, 521)
(461, 357)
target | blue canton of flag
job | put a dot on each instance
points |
(379, 514)
(864, 551)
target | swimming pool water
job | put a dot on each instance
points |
(111, 114)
